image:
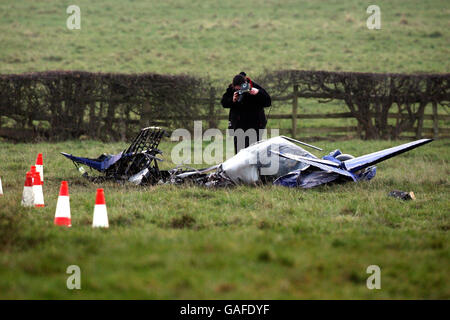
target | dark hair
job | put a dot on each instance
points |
(239, 79)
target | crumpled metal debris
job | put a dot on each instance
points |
(403, 195)
(278, 160)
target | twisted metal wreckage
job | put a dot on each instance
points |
(279, 160)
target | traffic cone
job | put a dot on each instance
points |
(32, 171)
(28, 193)
(100, 214)
(40, 166)
(37, 190)
(62, 214)
(1, 189)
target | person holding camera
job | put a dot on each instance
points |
(246, 101)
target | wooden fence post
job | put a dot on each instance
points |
(212, 118)
(419, 129)
(145, 115)
(359, 130)
(294, 111)
(435, 121)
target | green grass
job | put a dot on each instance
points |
(243, 242)
(219, 39)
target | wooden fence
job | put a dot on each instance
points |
(335, 132)
(355, 131)
(58, 105)
(297, 130)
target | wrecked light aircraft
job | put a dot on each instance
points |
(278, 160)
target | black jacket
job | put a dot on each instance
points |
(249, 113)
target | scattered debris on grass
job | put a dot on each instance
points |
(402, 195)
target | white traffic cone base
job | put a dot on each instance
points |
(62, 215)
(100, 217)
(28, 197)
(38, 196)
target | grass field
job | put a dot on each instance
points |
(221, 38)
(244, 242)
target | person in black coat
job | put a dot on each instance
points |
(246, 112)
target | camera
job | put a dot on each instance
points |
(245, 87)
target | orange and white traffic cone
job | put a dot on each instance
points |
(32, 171)
(28, 193)
(37, 190)
(40, 166)
(100, 213)
(62, 214)
(1, 189)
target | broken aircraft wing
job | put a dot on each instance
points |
(325, 165)
(352, 167)
(367, 160)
